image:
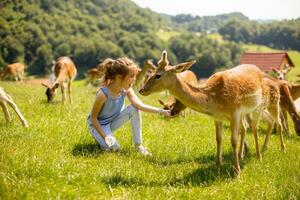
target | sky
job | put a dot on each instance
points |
(254, 9)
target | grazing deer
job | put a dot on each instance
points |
(65, 71)
(144, 74)
(227, 95)
(15, 70)
(174, 104)
(6, 99)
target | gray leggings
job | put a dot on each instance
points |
(129, 113)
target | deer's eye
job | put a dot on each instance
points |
(157, 76)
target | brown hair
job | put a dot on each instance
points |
(121, 66)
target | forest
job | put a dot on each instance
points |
(38, 31)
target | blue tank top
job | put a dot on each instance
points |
(111, 108)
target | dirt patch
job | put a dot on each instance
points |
(37, 81)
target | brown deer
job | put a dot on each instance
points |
(93, 76)
(280, 74)
(227, 95)
(174, 104)
(6, 99)
(15, 70)
(144, 74)
(64, 71)
(294, 91)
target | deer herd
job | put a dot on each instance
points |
(231, 95)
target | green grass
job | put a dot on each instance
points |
(56, 157)
(216, 36)
(166, 35)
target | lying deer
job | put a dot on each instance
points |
(65, 71)
(227, 95)
(6, 99)
(174, 104)
(144, 74)
(15, 70)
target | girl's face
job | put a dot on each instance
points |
(128, 80)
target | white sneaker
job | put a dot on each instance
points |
(143, 150)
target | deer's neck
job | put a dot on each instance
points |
(62, 77)
(295, 91)
(193, 97)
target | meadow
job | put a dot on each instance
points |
(56, 157)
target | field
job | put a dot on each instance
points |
(56, 157)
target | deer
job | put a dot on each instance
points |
(64, 71)
(144, 74)
(15, 70)
(93, 75)
(174, 104)
(227, 95)
(294, 91)
(6, 99)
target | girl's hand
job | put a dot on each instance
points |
(166, 113)
(109, 140)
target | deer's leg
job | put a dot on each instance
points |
(270, 121)
(21, 76)
(243, 128)
(70, 91)
(63, 92)
(285, 124)
(6, 111)
(255, 121)
(219, 126)
(234, 123)
(275, 112)
(9, 100)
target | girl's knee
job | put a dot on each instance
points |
(134, 110)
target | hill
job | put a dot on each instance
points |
(36, 32)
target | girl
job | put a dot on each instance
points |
(108, 112)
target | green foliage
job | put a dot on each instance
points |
(277, 34)
(38, 31)
(206, 23)
(209, 53)
(57, 158)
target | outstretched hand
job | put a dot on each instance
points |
(166, 113)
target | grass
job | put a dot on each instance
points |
(166, 35)
(56, 157)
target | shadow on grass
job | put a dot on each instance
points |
(204, 158)
(87, 150)
(205, 175)
(92, 150)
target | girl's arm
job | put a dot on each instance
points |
(98, 103)
(136, 102)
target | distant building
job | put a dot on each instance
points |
(267, 61)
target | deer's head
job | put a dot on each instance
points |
(50, 91)
(164, 75)
(149, 65)
(280, 74)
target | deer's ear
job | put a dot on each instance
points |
(183, 66)
(56, 85)
(275, 70)
(44, 84)
(161, 102)
(286, 70)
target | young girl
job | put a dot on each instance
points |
(108, 112)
